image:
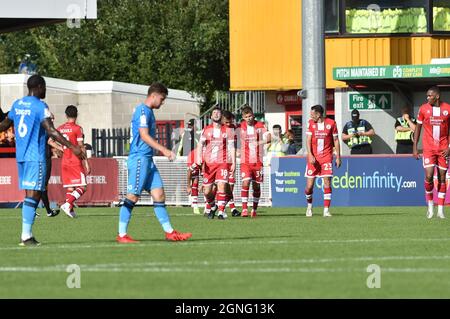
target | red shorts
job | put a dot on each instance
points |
(252, 172)
(215, 174)
(231, 177)
(435, 158)
(323, 167)
(73, 176)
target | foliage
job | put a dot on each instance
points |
(182, 43)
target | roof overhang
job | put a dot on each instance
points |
(23, 14)
(411, 76)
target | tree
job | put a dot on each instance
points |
(182, 43)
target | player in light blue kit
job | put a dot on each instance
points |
(33, 126)
(142, 172)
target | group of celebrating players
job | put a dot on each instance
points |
(215, 157)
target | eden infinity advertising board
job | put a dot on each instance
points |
(360, 181)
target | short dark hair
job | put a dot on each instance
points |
(246, 110)
(318, 108)
(35, 81)
(216, 108)
(278, 126)
(435, 89)
(157, 87)
(72, 111)
(228, 115)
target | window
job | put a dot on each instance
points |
(441, 15)
(332, 16)
(386, 16)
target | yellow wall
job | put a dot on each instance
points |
(265, 47)
(265, 44)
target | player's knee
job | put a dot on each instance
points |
(132, 197)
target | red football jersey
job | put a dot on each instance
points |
(323, 135)
(215, 142)
(435, 121)
(74, 134)
(252, 147)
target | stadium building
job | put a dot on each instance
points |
(379, 57)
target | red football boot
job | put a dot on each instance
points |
(125, 240)
(176, 236)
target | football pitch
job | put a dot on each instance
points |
(280, 254)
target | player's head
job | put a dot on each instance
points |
(71, 112)
(355, 116)
(216, 114)
(247, 115)
(433, 95)
(227, 118)
(157, 93)
(36, 86)
(317, 112)
(191, 123)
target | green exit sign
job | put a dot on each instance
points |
(370, 101)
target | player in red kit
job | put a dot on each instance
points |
(253, 136)
(193, 176)
(321, 137)
(72, 170)
(228, 121)
(216, 141)
(434, 116)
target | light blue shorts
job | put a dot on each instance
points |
(142, 175)
(32, 175)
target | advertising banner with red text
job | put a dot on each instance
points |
(102, 183)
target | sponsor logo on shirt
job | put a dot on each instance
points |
(27, 183)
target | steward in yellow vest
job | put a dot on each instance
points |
(404, 132)
(358, 135)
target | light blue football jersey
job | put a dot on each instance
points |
(143, 117)
(31, 138)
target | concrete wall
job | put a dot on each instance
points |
(102, 104)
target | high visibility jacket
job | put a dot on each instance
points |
(403, 136)
(360, 140)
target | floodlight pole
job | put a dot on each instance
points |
(313, 60)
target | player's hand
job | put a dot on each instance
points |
(311, 159)
(232, 169)
(169, 154)
(338, 162)
(415, 153)
(446, 152)
(189, 189)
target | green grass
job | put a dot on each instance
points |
(281, 254)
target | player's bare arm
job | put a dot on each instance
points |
(145, 136)
(55, 145)
(311, 158)
(52, 132)
(416, 140)
(87, 167)
(337, 147)
(189, 176)
(199, 151)
(5, 124)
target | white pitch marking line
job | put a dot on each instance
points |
(203, 242)
(165, 266)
